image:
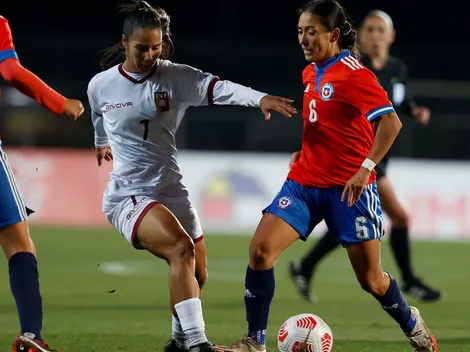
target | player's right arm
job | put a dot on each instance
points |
(28, 83)
(201, 89)
(103, 151)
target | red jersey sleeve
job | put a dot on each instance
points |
(7, 49)
(367, 95)
(22, 79)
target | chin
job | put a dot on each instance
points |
(310, 58)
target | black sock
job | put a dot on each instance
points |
(24, 282)
(400, 243)
(395, 305)
(323, 246)
(260, 285)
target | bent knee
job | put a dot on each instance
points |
(400, 219)
(183, 249)
(15, 238)
(375, 284)
(261, 257)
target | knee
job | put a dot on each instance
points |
(400, 220)
(375, 283)
(183, 250)
(261, 257)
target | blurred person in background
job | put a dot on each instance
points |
(14, 231)
(376, 36)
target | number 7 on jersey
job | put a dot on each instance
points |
(146, 128)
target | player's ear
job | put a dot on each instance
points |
(335, 35)
(124, 41)
(393, 36)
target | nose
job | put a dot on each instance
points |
(303, 39)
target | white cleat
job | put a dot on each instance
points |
(421, 337)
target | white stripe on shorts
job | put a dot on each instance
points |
(13, 186)
(372, 207)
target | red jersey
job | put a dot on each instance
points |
(22, 79)
(341, 101)
(6, 39)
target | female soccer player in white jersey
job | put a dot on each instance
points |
(136, 109)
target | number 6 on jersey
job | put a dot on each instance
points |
(313, 116)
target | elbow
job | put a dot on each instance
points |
(9, 69)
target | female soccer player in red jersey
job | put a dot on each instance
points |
(334, 178)
(377, 35)
(14, 233)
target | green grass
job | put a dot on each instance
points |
(82, 316)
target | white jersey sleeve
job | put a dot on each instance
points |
(201, 89)
(100, 137)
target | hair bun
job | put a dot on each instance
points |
(142, 5)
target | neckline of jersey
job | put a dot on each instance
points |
(134, 80)
(332, 60)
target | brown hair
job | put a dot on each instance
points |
(140, 14)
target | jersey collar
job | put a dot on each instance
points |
(332, 60)
(137, 81)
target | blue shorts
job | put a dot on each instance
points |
(303, 208)
(12, 208)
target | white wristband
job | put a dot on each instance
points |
(368, 164)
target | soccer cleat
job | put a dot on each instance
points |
(27, 343)
(206, 347)
(171, 346)
(301, 282)
(419, 290)
(245, 344)
(421, 337)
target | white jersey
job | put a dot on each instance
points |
(137, 116)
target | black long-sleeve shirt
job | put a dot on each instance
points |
(393, 77)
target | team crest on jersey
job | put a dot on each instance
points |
(327, 92)
(284, 202)
(162, 101)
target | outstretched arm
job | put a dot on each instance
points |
(32, 86)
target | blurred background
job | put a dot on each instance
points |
(233, 162)
(254, 43)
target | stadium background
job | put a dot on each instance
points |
(233, 163)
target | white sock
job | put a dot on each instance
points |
(178, 334)
(191, 320)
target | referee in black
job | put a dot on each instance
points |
(376, 36)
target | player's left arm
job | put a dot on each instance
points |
(371, 100)
(202, 89)
(421, 114)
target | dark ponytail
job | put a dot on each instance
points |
(348, 39)
(140, 14)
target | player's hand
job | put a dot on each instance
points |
(281, 105)
(295, 156)
(103, 153)
(421, 114)
(355, 186)
(73, 109)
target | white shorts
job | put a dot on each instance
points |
(127, 214)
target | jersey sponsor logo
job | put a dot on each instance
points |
(284, 202)
(109, 107)
(327, 92)
(162, 101)
(137, 204)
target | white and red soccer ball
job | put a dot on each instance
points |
(305, 332)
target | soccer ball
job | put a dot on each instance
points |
(305, 333)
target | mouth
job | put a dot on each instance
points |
(308, 52)
(145, 67)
